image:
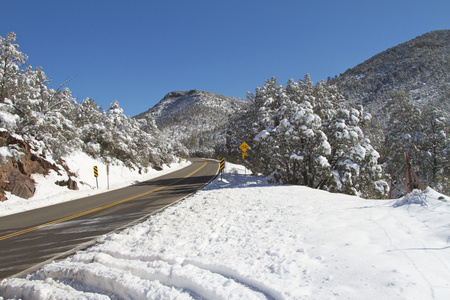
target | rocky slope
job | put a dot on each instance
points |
(18, 163)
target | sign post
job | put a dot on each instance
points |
(244, 147)
(107, 174)
(222, 167)
(96, 175)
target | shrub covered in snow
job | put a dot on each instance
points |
(305, 134)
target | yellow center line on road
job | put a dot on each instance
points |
(98, 208)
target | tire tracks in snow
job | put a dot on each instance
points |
(254, 288)
(151, 275)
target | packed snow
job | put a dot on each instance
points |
(241, 238)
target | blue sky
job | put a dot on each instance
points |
(138, 51)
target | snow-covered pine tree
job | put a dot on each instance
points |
(300, 130)
(124, 139)
(117, 142)
(246, 124)
(287, 139)
(303, 134)
(264, 149)
(242, 127)
(423, 132)
(11, 61)
(353, 160)
(434, 144)
(91, 120)
(11, 79)
(402, 135)
(53, 125)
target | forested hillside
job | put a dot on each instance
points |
(43, 125)
(194, 120)
(407, 89)
(311, 135)
(420, 66)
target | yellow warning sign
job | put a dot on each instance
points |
(244, 146)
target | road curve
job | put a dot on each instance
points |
(32, 238)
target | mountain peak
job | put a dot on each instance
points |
(174, 104)
(194, 118)
(176, 94)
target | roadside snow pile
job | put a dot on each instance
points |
(421, 198)
(48, 193)
(241, 238)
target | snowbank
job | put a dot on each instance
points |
(241, 238)
(48, 193)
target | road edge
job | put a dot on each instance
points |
(94, 241)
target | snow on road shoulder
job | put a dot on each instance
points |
(48, 193)
(241, 238)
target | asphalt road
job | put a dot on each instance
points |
(32, 238)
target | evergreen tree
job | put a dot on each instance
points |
(402, 135)
(434, 145)
(424, 134)
(11, 60)
(303, 134)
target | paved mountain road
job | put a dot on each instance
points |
(29, 239)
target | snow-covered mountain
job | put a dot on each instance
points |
(420, 66)
(194, 119)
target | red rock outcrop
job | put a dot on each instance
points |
(16, 171)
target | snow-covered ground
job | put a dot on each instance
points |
(241, 238)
